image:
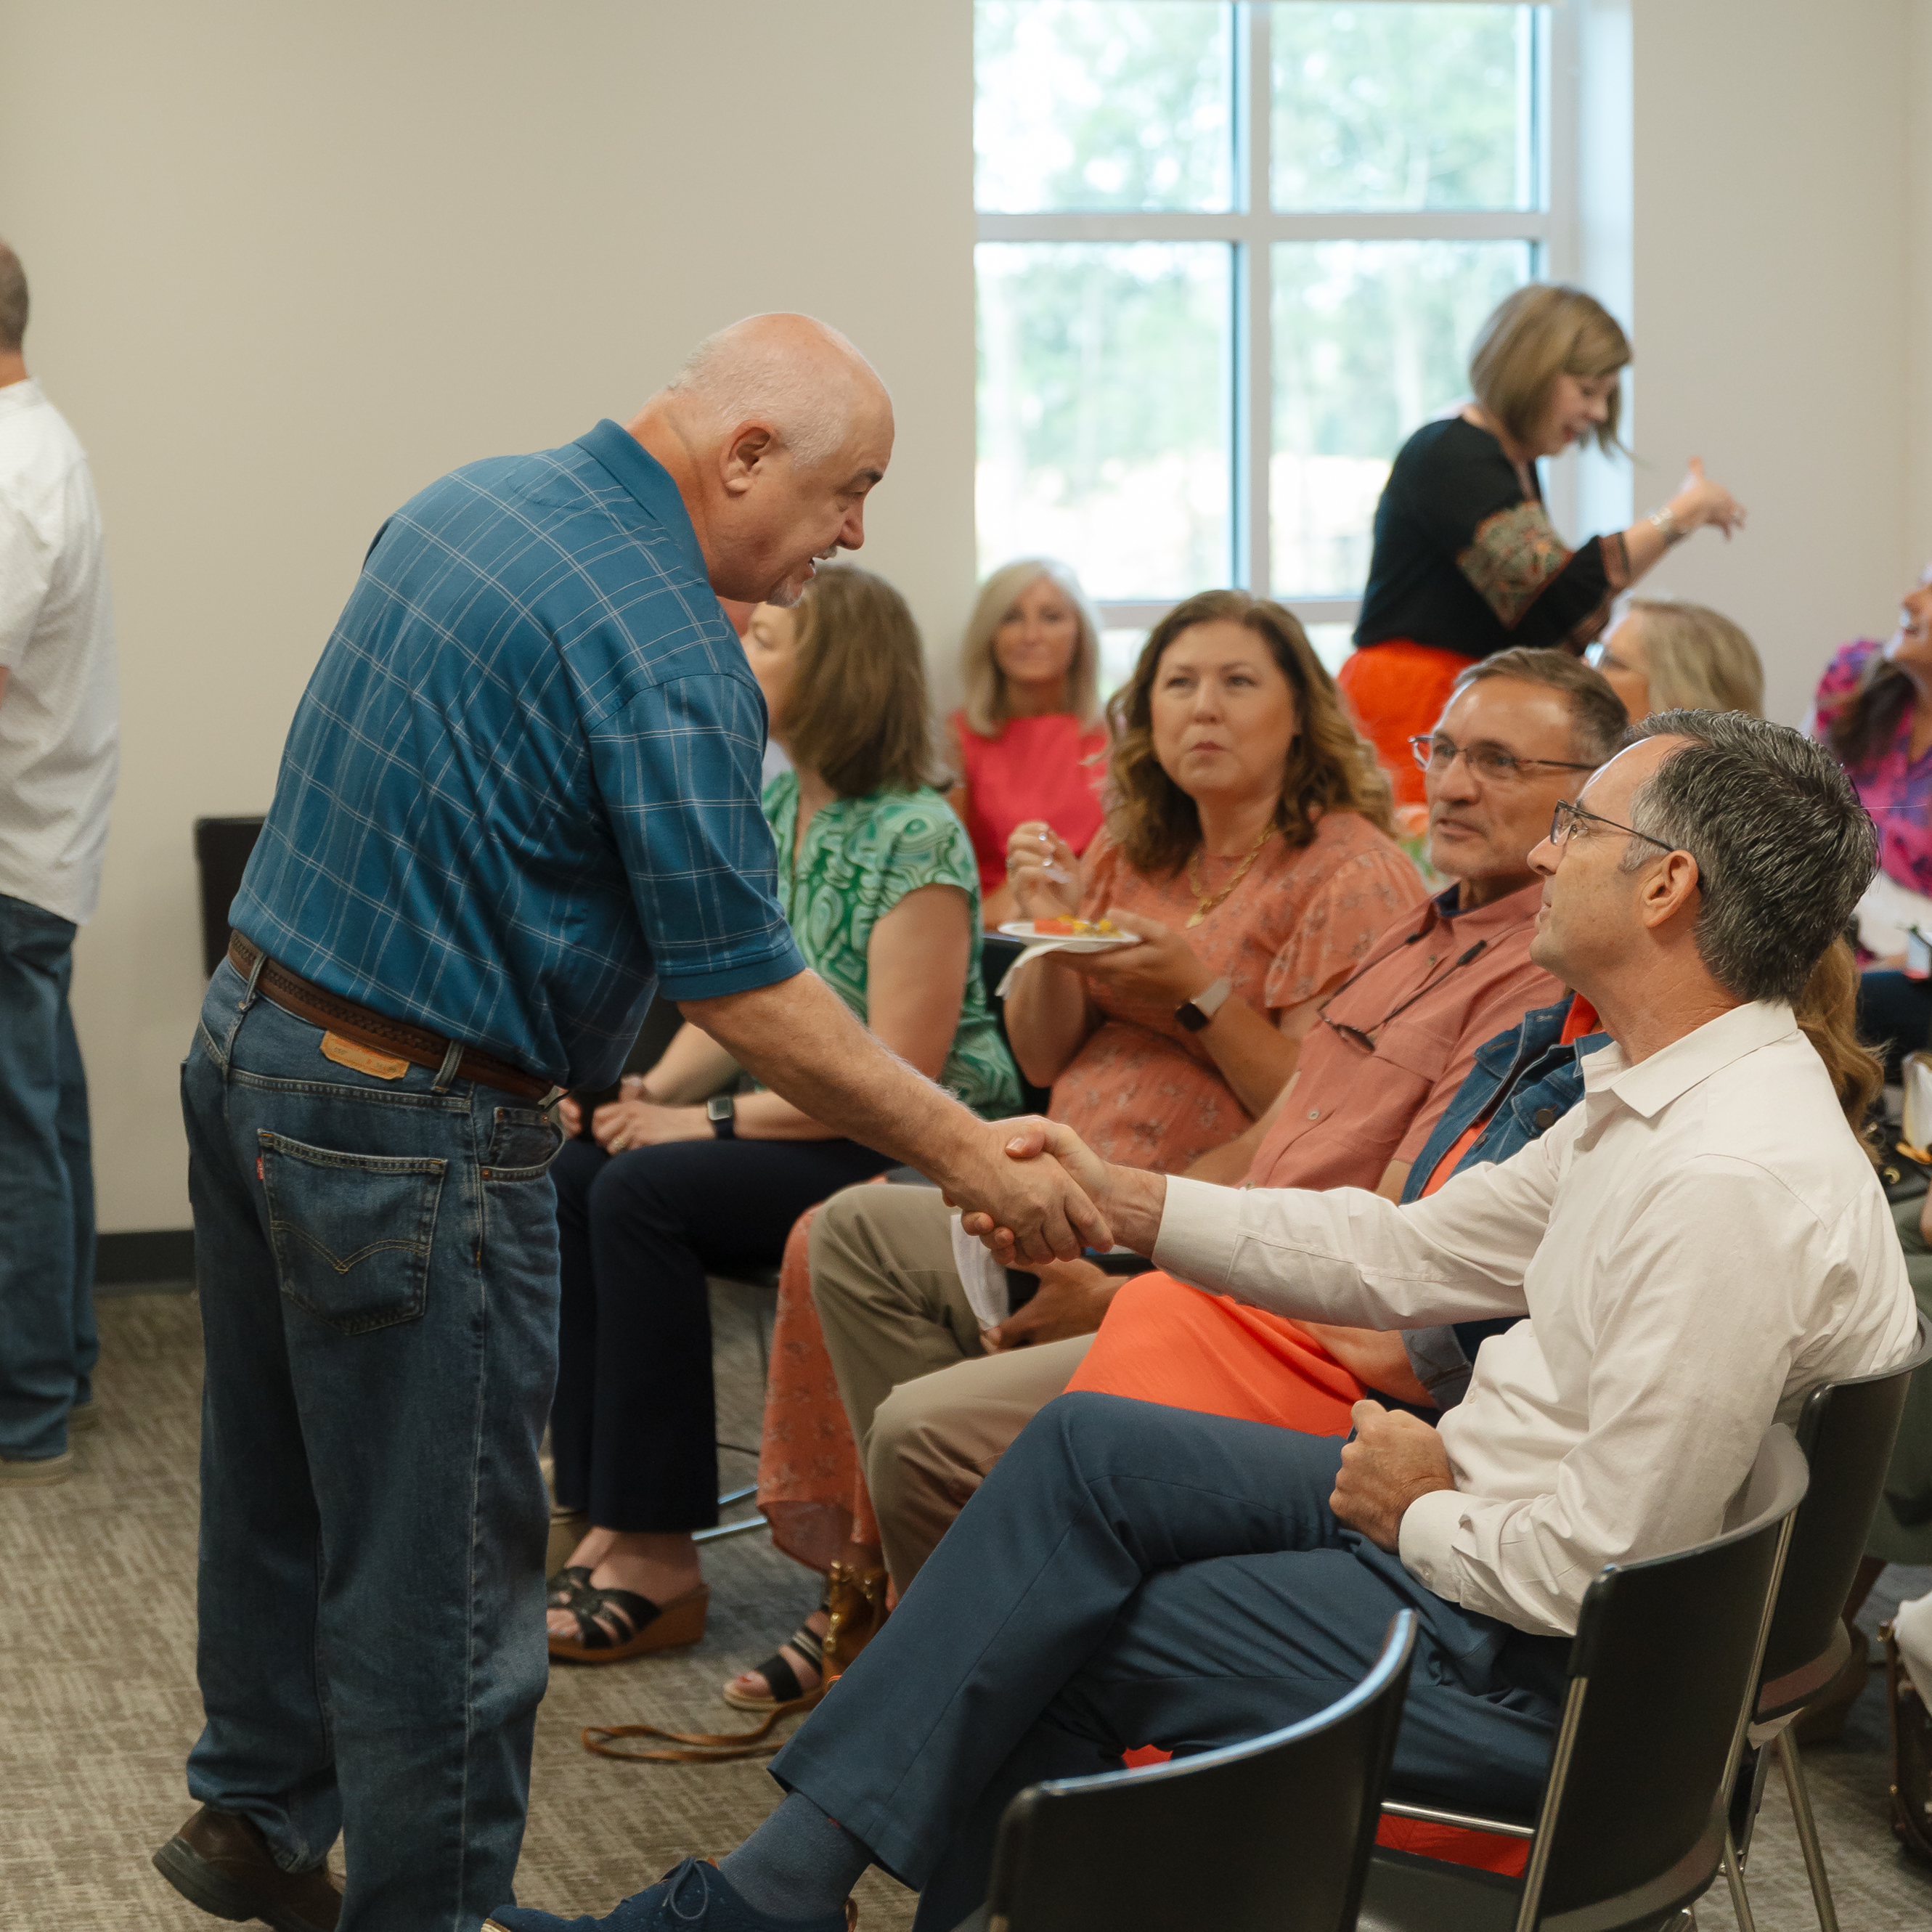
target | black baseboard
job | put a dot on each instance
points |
(156, 1258)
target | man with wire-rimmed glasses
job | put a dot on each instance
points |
(1399, 1037)
(1697, 1245)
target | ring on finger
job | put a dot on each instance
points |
(619, 1141)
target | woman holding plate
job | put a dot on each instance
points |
(1247, 850)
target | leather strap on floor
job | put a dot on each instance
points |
(699, 1747)
(377, 1031)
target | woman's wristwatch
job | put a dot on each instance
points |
(721, 1110)
(1194, 1014)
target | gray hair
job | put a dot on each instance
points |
(1783, 848)
(755, 369)
(1598, 718)
(13, 301)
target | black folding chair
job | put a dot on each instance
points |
(1286, 1822)
(996, 955)
(1632, 1827)
(1847, 1430)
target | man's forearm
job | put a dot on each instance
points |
(1132, 1200)
(799, 1038)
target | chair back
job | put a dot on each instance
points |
(996, 955)
(1666, 1657)
(1285, 1823)
(1846, 1430)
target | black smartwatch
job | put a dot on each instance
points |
(722, 1110)
(1194, 1014)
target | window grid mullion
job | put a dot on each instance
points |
(1253, 323)
(1447, 225)
(1252, 227)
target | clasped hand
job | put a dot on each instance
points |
(632, 1120)
(1393, 1458)
(1071, 1297)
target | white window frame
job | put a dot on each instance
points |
(1254, 227)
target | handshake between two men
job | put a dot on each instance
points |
(1391, 1458)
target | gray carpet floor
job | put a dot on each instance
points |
(98, 1706)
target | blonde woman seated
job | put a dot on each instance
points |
(877, 878)
(1665, 656)
(1248, 850)
(1029, 743)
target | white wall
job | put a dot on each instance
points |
(1768, 310)
(290, 262)
(1916, 249)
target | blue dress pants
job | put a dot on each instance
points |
(1131, 1574)
(377, 1263)
(48, 1345)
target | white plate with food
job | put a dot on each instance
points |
(1069, 935)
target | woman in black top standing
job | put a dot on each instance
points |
(1466, 561)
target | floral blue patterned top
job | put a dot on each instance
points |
(860, 857)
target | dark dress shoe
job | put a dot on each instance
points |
(221, 1862)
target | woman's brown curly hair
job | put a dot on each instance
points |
(1828, 1015)
(1328, 769)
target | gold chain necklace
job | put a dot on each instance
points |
(1204, 904)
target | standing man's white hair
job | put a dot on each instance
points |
(793, 372)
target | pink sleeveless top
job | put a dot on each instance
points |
(1046, 768)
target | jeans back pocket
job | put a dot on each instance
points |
(351, 1232)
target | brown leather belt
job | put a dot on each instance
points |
(377, 1031)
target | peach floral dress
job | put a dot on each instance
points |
(1144, 1092)
(1141, 1090)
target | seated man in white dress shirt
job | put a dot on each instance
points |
(1697, 1245)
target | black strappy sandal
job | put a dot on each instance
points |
(786, 1692)
(635, 1625)
(561, 1591)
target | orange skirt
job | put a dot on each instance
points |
(1166, 1342)
(1395, 690)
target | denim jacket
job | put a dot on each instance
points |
(1522, 1084)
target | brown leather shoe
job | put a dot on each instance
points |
(221, 1862)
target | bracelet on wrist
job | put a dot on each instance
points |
(1664, 522)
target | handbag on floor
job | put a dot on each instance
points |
(1911, 1753)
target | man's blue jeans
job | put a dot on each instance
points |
(377, 1263)
(1131, 1574)
(48, 1346)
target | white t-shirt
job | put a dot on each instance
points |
(58, 743)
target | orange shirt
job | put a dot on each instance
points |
(1353, 1109)
(1144, 1091)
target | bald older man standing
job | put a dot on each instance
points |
(520, 794)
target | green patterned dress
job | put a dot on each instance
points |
(860, 857)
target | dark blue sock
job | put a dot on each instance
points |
(798, 1864)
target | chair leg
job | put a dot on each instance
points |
(1793, 1768)
(1734, 1878)
(725, 1529)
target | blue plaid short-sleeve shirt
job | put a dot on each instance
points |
(522, 790)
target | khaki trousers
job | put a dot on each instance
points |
(931, 1411)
